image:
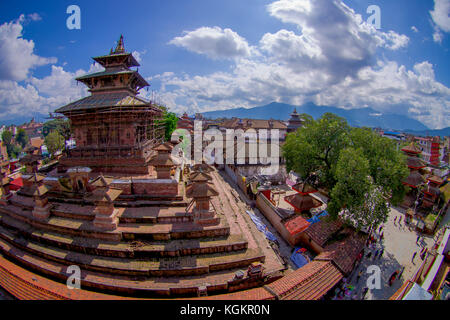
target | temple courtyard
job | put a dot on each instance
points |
(399, 246)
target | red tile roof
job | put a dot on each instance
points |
(311, 282)
(321, 231)
(296, 225)
(344, 253)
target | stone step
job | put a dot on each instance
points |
(151, 267)
(128, 231)
(216, 283)
(134, 249)
(170, 231)
(61, 225)
(85, 212)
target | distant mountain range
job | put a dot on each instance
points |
(365, 117)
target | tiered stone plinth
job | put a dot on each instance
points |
(106, 218)
(4, 188)
(201, 191)
(42, 212)
(103, 196)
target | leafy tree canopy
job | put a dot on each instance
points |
(60, 125)
(54, 142)
(360, 168)
(22, 137)
(7, 137)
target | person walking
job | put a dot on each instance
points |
(382, 236)
(364, 292)
(376, 254)
(417, 240)
(381, 253)
(360, 273)
(414, 255)
(369, 255)
(395, 219)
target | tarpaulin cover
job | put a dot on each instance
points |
(261, 226)
(298, 258)
(317, 217)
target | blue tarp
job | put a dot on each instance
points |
(317, 217)
(298, 258)
(262, 227)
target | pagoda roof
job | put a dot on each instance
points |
(201, 190)
(433, 191)
(104, 100)
(132, 62)
(105, 73)
(30, 159)
(5, 181)
(414, 179)
(101, 181)
(302, 202)
(104, 195)
(36, 177)
(304, 188)
(114, 72)
(436, 180)
(200, 177)
(162, 160)
(415, 163)
(164, 147)
(412, 148)
(202, 167)
(119, 51)
(37, 190)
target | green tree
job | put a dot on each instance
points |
(22, 137)
(54, 142)
(7, 137)
(13, 150)
(361, 169)
(364, 202)
(60, 125)
(315, 148)
(386, 162)
(170, 121)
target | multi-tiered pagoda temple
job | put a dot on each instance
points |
(114, 128)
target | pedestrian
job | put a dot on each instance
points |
(369, 255)
(381, 236)
(364, 292)
(414, 255)
(381, 253)
(376, 254)
(417, 240)
(379, 229)
(401, 272)
(360, 273)
(400, 219)
(395, 219)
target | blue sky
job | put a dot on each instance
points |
(207, 54)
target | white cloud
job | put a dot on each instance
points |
(440, 16)
(20, 92)
(17, 56)
(414, 29)
(331, 60)
(214, 43)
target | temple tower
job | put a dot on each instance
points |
(114, 129)
(201, 191)
(294, 122)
